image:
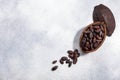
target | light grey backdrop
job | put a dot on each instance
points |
(35, 32)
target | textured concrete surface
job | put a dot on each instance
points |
(35, 32)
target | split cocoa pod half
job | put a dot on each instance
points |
(92, 37)
(94, 34)
(102, 13)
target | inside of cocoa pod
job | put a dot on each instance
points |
(92, 37)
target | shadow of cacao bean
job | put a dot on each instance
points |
(76, 42)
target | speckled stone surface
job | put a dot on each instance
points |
(33, 33)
